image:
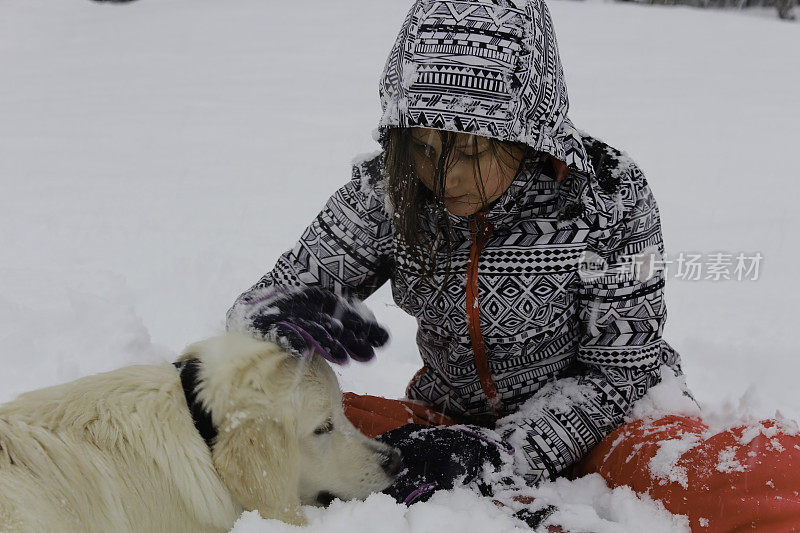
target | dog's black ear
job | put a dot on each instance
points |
(258, 459)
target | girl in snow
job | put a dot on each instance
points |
(527, 251)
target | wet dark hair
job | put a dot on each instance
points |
(420, 218)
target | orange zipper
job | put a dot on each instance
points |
(480, 230)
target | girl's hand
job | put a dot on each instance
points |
(438, 457)
(306, 320)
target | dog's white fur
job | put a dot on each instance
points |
(119, 451)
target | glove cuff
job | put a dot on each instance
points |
(488, 436)
(255, 303)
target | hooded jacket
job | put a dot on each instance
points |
(542, 328)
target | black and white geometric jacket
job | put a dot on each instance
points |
(519, 336)
(568, 354)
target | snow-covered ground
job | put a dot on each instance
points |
(156, 158)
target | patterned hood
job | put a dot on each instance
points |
(487, 67)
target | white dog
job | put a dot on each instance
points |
(120, 451)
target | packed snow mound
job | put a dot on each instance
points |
(585, 505)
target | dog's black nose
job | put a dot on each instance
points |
(393, 462)
(325, 498)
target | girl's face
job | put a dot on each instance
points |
(476, 173)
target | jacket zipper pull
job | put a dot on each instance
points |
(480, 235)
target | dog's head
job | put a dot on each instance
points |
(283, 439)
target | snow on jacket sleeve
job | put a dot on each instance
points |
(622, 316)
(346, 249)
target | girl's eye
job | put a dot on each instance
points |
(327, 427)
(473, 155)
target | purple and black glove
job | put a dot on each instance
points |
(304, 320)
(437, 457)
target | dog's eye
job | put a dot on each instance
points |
(327, 427)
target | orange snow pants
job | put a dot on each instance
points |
(742, 479)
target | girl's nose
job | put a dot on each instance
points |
(457, 176)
